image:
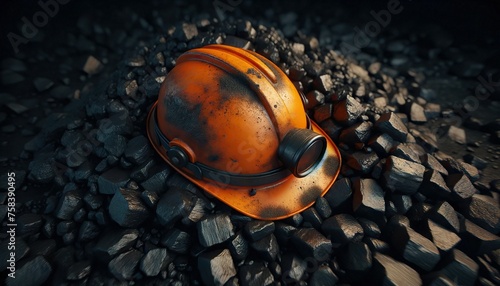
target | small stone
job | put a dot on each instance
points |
(154, 261)
(124, 265)
(357, 134)
(256, 274)
(444, 214)
(79, 270)
(174, 205)
(112, 180)
(347, 111)
(485, 212)
(127, 209)
(363, 162)
(368, 199)
(381, 144)
(392, 272)
(323, 276)
(457, 134)
(471, 171)
(415, 248)
(185, 32)
(391, 124)
(460, 186)
(88, 231)
(214, 229)
(115, 241)
(92, 66)
(69, 204)
(310, 243)
(177, 241)
(42, 83)
(431, 162)
(34, 271)
(416, 113)
(459, 267)
(476, 161)
(314, 98)
(343, 228)
(339, 196)
(406, 151)
(267, 247)
(156, 181)
(216, 267)
(257, 229)
(323, 83)
(402, 175)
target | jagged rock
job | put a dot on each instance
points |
(434, 185)
(154, 261)
(256, 229)
(310, 243)
(214, 229)
(459, 267)
(392, 272)
(238, 247)
(339, 196)
(476, 240)
(343, 228)
(255, 275)
(114, 242)
(323, 276)
(79, 270)
(368, 199)
(112, 180)
(267, 247)
(444, 239)
(124, 265)
(402, 175)
(460, 186)
(356, 260)
(415, 248)
(216, 267)
(127, 209)
(485, 212)
(391, 124)
(177, 241)
(174, 205)
(444, 214)
(69, 204)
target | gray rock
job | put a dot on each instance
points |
(112, 180)
(127, 209)
(79, 270)
(457, 134)
(124, 265)
(477, 240)
(416, 113)
(402, 175)
(391, 124)
(343, 228)
(258, 229)
(35, 271)
(174, 205)
(115, 241)
(214, 229)
(323, 83)
(216, 267)
(406, 151)
(311, 243)
(361, 161)
(69, 204)
(434, 186)
(154, 261)
(256, 274)
(444, 214)
(185, 32)
(357, 134)
(381, 144)
(445, 240)
(347, 111)
(392, 272)
(460, 186)
(156, 181)
(459, 267)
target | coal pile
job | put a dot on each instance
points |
(404, 211)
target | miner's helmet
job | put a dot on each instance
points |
(231, 121)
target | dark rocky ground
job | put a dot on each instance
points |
(416, 202)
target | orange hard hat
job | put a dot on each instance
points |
(231, 121)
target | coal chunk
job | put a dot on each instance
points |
(416, 113)
(112, 180)
(41, 169)
(459, 267)
(444, 214)
(293, 268)
(177, 240)
(381, 144)
(115, 241)
(311, 243)
(357, 134)
(370, 228)
(258, 229)
(323, 276)
(363, 162)
(311, 218)
(267, 247)
(347, 111)
(388, 271)
(460, 186)
(238, 247)
(391, 124)
(42, 83)
(185, 31)
(79, 270)
(434, 185)
(69, 204)
(402, 175)
(368, 199)
(322, 207)
(323, 83)
(156, 181)
(88, 231)
(431, 162)
(343, 228)
(138, 150)
(255, 275)
(124, 265)
(476, 240)
(445, 240)
(406, 151)
(214, 229)
(127, 209)
(154, 261)
(216, 267)
(415, 248)
(174, 205)
(28, 224)
(339, 196)
(485, 212)
(356, 259)
(35, 271)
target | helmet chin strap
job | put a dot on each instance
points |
(178, 158)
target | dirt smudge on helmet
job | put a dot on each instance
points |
(275, 211)
(309, 194)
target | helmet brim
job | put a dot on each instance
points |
(275, 201)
